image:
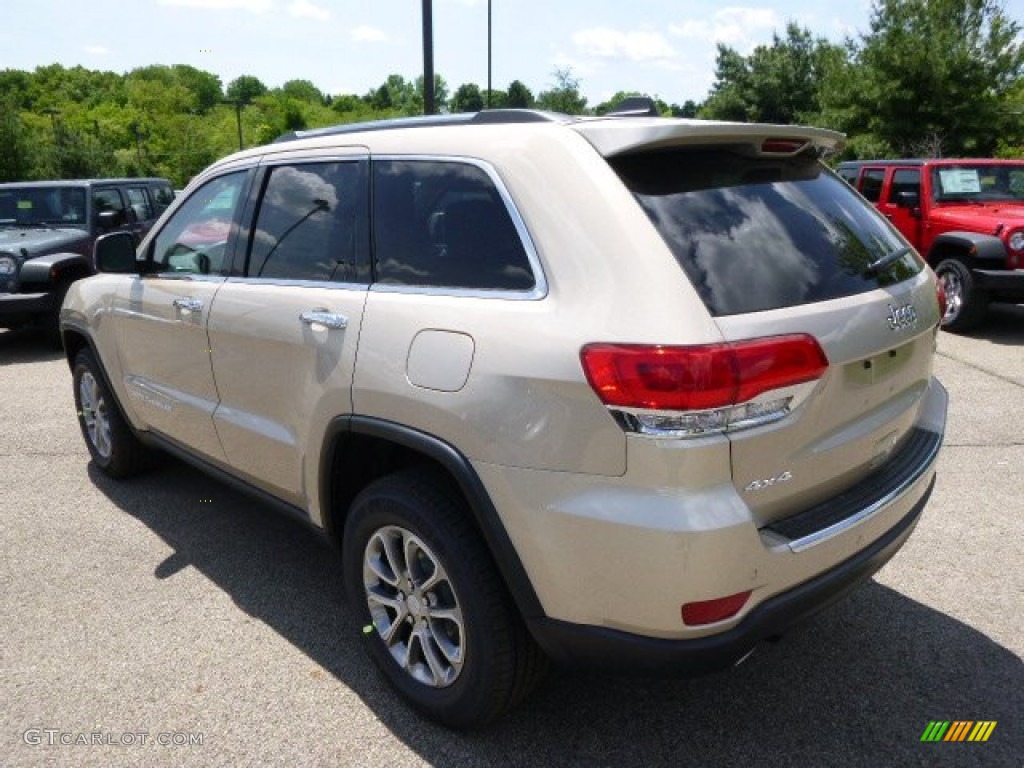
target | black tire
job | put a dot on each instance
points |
(51, 322)
(966, 303)
(500, 662)
(113, 446)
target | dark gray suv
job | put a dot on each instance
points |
(47, 229)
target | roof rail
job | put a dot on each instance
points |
(484, 117)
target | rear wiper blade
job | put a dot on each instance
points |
(890, 258)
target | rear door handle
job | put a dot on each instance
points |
(189, 304)
(325, 318)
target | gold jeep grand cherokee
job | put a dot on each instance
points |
(627, 392)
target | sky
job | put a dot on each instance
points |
(665, 48)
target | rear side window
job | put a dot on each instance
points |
(310, 223)
(444, 224)
(757, 234)
(139, 203)
(871, 184)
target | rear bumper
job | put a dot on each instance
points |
(576, 645)
(1006, 283)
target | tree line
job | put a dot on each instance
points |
(928, 77)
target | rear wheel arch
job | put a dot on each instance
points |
(358, 450)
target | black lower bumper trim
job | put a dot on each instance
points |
(1008, 284)
(580, 645)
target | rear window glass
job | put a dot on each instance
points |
(757, 234)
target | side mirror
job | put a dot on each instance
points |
(908, 199)
(115, 253)
(108, 219)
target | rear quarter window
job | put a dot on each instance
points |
(444, 224)
(758, 234)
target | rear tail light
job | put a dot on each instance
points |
(693, 390)
(710, 611)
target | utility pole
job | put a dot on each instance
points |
(238, 120)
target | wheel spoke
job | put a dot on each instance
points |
(429, 648)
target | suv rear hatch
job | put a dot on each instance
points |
(778, 246)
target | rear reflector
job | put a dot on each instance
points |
(697, 378)
(710, 611)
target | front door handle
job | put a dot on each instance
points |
(189, 304)
(325, 318)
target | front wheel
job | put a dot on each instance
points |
(435, 617)
(111, 442)
(966, 303)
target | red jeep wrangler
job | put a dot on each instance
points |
(966, 217)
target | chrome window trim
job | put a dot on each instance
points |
(295, 283)
(540, 283)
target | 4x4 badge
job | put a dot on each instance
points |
(901, 317)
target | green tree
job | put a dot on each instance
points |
(519, 96)
(776, 83)
(564, 96)
(304, 90)
(15, 142)
(245, 89)
(934, 70)
(467, 98)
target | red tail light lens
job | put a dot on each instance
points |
(710, 611)
(782, 146)
(673, 378)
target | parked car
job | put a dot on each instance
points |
(965, 216)
(47, 230)
(631, 393)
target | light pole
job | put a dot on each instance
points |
(488, 54)
(428, 57)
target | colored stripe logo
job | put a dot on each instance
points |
(958, 730)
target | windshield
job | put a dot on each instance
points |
(755, 234)
(978, 182)
(34, 206)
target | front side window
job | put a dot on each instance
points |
(904, 180)
(445, 225)
(107, 200)
(139, 203)
(195, 239)
(758, 234)
(311, 223)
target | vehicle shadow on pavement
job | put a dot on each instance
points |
(27, 345)
(855, 686)
(1004, 324)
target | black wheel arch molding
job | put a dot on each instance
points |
(977, 248)
(485, 515)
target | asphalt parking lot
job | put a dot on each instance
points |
(186, 625)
